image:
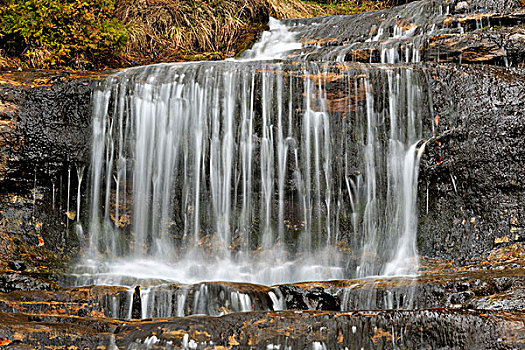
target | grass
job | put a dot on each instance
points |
(167, 30)
(345, 7)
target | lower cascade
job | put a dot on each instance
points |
(255, 171)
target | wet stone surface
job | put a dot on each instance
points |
(471, 167)
(471, 190)
(430, 31)
(445, 329)
(44, 140)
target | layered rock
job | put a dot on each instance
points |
(445, 329)
(423, 31)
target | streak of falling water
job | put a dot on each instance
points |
(96, 233)
(68, 198)
(267, 160)
(53, 191)
(80, 176)
(247, 148)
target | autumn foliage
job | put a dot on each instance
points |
(57, 33)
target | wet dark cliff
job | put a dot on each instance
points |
(470, 213)
(472, 189)
(44, 138)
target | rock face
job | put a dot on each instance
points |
(44, 140)
(501, 290)
(471, 193)
(422, 31)
(471, 188)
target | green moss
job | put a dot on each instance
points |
(57, 33)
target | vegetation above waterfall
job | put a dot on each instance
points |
(50, 33)
(97, 34)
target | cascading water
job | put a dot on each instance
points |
(255, 171)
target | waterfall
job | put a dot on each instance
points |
(259, 171)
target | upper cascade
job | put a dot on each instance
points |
(420, 31)
(273, 44)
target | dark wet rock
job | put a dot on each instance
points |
(48, 118)
(85, 301)
(321, 300)
(316, 298)
(459, 290)
(136, 304)
(17, 265)
(471, 192)
(422, 31)
(15, 281)
(160, 301)
(473, 206)
(460, 298)
(44, 138)
(444, 329)
(431, 329)
(293, 297)
(463, 48)
(498, 290)
(19, 331)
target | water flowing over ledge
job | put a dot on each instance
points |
(265, 172)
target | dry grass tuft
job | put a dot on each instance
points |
(165, 30)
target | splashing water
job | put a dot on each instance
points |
(274, 44)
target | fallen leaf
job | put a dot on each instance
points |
(232, 341)
(503, 239)
(379, 333)
(340, 338)
(4, 341)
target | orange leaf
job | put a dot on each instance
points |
(40, 241)
(4, 341)
(436, 119)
